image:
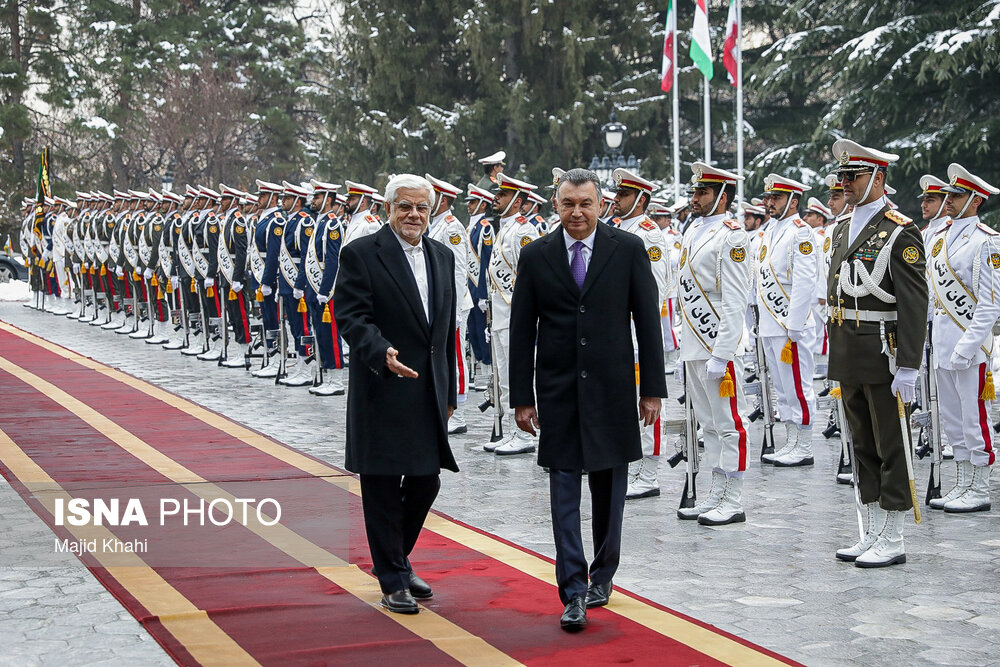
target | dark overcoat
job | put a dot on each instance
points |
(584, 366)
(397, 426)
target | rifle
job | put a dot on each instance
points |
(282, 340)
(224, 324)
(493, 397)
(149, 308)
(689, 496)
(184, 314)
(930, 424)
(765, 409)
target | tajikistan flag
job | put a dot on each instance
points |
(701, 43)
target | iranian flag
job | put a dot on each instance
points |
(731, 48)
(667, 71)
(701, 43)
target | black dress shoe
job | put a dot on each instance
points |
(574, 617)
(400, 602)
(419, 588)
(598, 594)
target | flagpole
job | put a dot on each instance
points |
(708, 125)
(739, 99)
(676, 113)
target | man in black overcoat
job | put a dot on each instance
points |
(581, 292)
(395, 307)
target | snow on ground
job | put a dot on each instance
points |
(14, 290)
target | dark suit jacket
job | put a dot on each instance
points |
(856, 348)
(585, 372)
(397, 426)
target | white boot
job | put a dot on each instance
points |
(160, 331)
(128, 323)
(708, 502)
(61, 306)
(142, 332)
(331, 386)
(456, 424)
(520, 443)
(482, 377)
(977, 497)
(116, 321)
(270, 370)
(643, 484)
(790, 434)
(876, 523)
(670, 361)
(888, 548)
(238, 356)
(299, 376)
(509, 427)
(801, 454)
(176, 338)
(729, 509)
(947, 452)
(963, 480)
(214, 351)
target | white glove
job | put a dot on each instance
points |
(297, 294)
(715, 368)
(174, 282)
(209, 282)
(120, 272)
(795, 335)
(487, 334)
(323, 299)
(958, 362)
(266, 290)
(147, 274)
(237, 286)
(76, 267)
(45, 255)
(482, 305)
(905, 383)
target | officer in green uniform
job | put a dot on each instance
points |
(877, 291)
(491, 166)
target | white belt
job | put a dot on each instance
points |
(870, 315)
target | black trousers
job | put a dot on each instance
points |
(607, 490)
(395, 508)
(879, 449)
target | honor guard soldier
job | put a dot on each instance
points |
(234, 237)
(531, 209)
(515, 232)
(819, 217)
(378, 203)
(205, 237)
(965, 278)
(554, 222)
(480, 248)
(787, 274)
(361, 222)
(447, 229)
(298, 230)
(932, 206)
(631, 199)
(713, 287)
(269, 219)
(320, 262)
(167, 270)
(492, 166)
(608, 210)
(878, 297)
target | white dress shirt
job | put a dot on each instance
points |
(418, 266)
(862, 216)
(587, 250)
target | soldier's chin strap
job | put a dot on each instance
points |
(507, 208)
(357, 208)
(635, 203)
(941, 208)
(715, 206)
(868, 190)
(965, 208)
(788, 204)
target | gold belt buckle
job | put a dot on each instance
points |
(838, 315)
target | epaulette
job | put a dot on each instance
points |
(648, 224)
(237, 214)
(944, 228)
(843, 217)
(616, 220)
(732, 223)
(520, 219)
(898, 218)
(370, 218)
(450, 218)
(799, 222)
(539, 219)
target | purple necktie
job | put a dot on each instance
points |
(577, 266)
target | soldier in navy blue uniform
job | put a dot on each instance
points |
(232, 258)
(481, 241)
(532, 211)
(267, 234)
(318, 271)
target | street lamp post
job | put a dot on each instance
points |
(614, 134)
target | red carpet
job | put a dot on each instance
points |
(278, 596)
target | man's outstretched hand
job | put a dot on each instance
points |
(394, 365)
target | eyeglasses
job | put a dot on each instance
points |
(406, 207)
(850, 176)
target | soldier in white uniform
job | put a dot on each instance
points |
(480, 232)
(359, 201)
(631, 199)
(514, 232)
(818, 216)
(965, 282)
(713, 288)
(787, 269)
(448, 229)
